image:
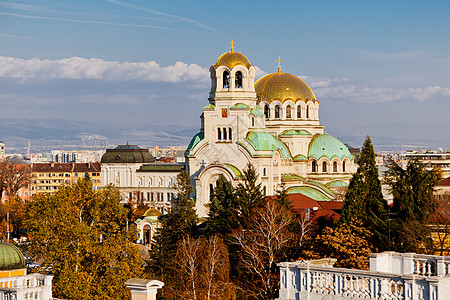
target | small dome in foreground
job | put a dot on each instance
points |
(11, 257)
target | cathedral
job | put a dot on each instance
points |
(273, 124)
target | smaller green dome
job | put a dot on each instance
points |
(209, 106)
(336, 183)
(240, 106)
(300, 157)
(257, 111)
(264, 141)
(194, 141)
(324, 145)
(11, 257)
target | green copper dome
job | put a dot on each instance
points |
(194, 141)
(263, 141)
(257, 111)
(294, 132)
(240, 106)
(11, 257)
(324, 145)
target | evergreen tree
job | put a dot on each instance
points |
(249, 196)
(364, 201)
(283, 197)
(414, 203)
(222, 216)
(180, 220)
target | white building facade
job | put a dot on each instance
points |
(272, 123)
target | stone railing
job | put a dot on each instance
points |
(317, 280)
(32, 286)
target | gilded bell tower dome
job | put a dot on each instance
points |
(232, 72)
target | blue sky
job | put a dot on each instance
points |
(379, 68)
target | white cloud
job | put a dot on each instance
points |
(95, 68)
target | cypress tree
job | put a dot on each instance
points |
(222, 216)
(249, 196)
(180, 220)
(364, 201)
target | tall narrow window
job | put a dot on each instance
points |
(288, 112)
(253, 122)
(324, 167)
(264, 191)
(226, 80)
(219, 134)
(229, 134)
(314, 166)
(238, 80)
(211, 189)
(277, 111)
(307, 111)
(334, 167)
(224, 134)
(299, 112)
(266, 111)
(343, 166)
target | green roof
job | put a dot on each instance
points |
(263, 141)
(11, 257)
(337, 183)
(240, 106)
(194, 141)
(324, 145)
(127, 154)
(235, 170)
(209, 106)
(322, 186)
(309, 192)
(257, 111)
(300, 157)
(162, 167)
(290, 177)
(294, 132)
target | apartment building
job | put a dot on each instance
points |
(49, 177)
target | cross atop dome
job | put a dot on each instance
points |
(232, 45)
(279, 60)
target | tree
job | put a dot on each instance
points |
(414, 203)
(348, 243)
(14, 175)
(203, 270)
(249, 196)
(364, 201)
(180, 220)
(262, 244)
(81, 234)
(222, 216)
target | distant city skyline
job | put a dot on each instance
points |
(378, 68)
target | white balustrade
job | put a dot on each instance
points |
(393, 276)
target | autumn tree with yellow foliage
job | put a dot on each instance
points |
(82, 235)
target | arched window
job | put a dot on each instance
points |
(277, 111)
(299, 111)
(224, 134)
(343, 166)
(211, 190)
(219, 134)
(288, 112)
(266, 111)
(238, 80)
(229, 133)
(314, 166)
(226, 80)
(334, 167)
(264, 191)
(307, 111)
(324, 167)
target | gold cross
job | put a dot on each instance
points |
(232, 46)
(279, 60)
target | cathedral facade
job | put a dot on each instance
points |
(273, 124)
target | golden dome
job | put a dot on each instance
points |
(232, 59)
(283, 86)
(152, 212)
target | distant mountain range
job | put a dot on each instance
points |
(51, 134)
